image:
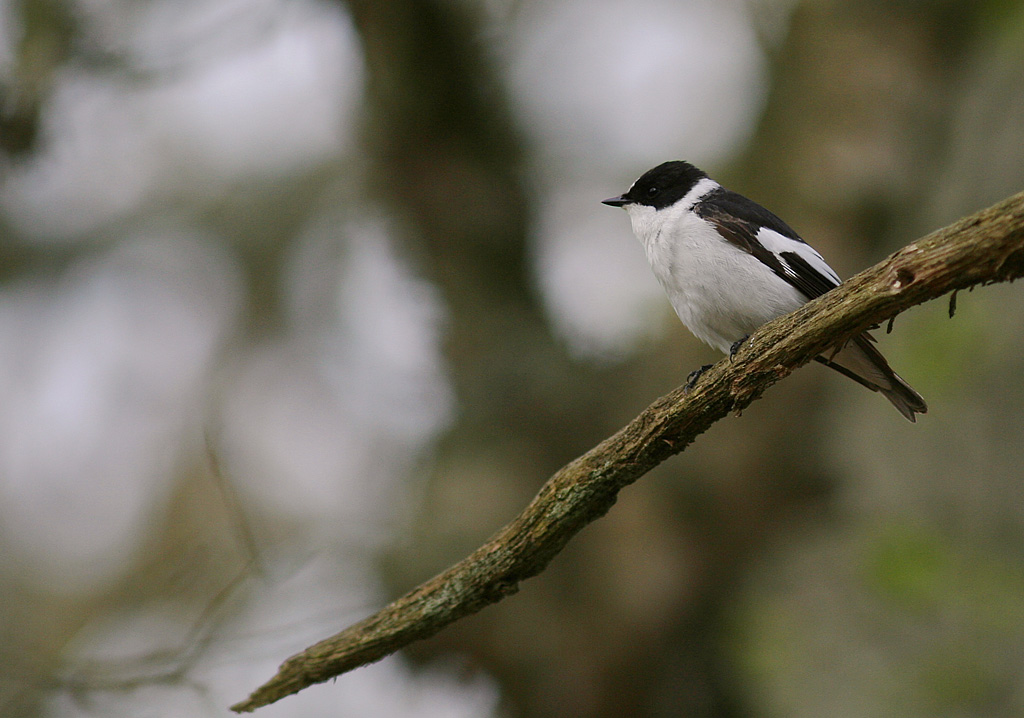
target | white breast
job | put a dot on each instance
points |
(720, 292)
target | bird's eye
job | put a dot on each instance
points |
(652, 191)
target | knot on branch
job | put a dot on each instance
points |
(904, 277)
(502, 589)
(1011, 266)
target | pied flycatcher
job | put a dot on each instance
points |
(729, 265)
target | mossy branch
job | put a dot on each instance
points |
(983, 248)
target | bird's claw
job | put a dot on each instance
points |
(736, 346)
(694, 375)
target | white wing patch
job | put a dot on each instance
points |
(777, 244)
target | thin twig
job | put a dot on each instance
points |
(237, 518)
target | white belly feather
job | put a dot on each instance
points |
(720, 292)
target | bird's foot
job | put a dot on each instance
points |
(691, 380)
(736, 346)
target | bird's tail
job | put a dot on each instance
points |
(863, 363)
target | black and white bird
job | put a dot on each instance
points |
(729, 265)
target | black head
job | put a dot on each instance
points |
(662, 186)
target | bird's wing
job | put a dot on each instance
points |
(757, 231)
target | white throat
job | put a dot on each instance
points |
(648, 222)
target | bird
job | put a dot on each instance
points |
(728, 265)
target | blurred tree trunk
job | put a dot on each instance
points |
(48, 29)
(860, 108)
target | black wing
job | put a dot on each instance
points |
(738, 220)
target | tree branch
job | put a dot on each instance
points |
(983, 248)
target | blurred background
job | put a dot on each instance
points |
(301, 300)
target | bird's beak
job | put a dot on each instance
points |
(620, 201)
